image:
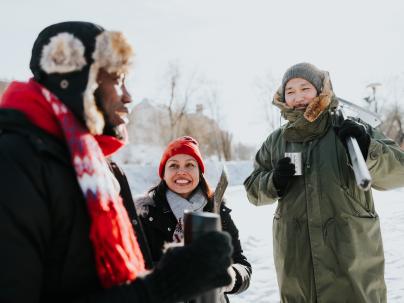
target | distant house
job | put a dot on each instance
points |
(146, 123)
(149, 123)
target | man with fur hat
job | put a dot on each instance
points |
(69, 232)
(327, 240)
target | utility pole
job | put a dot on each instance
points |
(372, 99)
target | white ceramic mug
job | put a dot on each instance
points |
(296, 159)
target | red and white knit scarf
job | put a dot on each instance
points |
(118, 256)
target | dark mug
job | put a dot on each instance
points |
(195, 225)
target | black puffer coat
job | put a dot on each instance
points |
(45, 251)
(159, 224)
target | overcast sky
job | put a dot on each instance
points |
(230, 42)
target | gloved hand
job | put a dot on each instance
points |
(282, 174)
(185, 272)
(350, 128)
(233, 277)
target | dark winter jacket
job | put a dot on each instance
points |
(46, 254)
(159, 224)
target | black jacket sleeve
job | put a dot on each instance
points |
(24, 224)
(240, 264)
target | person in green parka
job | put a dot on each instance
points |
(326, 232)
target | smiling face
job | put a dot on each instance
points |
(299, 92)
(181, 174)
(113, 97)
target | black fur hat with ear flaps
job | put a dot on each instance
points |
(66, 58)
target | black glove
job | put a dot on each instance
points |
(185, 272)
(284, 169)
(350, 128)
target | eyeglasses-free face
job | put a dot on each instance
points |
(299, 92)
(181, 174)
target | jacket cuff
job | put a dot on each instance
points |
(375, 151)
(273, 191)
(242, 279)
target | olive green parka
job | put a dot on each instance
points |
(326, 233)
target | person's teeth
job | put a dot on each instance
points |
(182, 181)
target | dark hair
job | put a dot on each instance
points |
(159, 191)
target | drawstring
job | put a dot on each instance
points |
(308, 155)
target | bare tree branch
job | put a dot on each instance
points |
(266, 87)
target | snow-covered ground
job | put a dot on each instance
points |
(255, 226)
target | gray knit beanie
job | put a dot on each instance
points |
(305, 71)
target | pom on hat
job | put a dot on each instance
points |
(183, 145)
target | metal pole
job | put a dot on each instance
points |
(361, 171)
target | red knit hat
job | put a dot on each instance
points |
(183, 145)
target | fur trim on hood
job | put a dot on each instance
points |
(114, 54)
(142, 205)
(317, 105)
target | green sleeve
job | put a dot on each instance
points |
(259, 185)
(385, 162)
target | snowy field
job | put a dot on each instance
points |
(255, 226)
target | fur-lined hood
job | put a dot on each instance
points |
(142, 204)
(317, 105)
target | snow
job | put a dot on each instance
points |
(139, 154)
(255, 227)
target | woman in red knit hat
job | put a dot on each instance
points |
(184, 187)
